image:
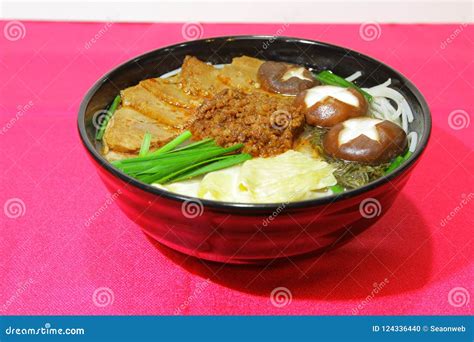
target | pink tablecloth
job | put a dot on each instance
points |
(52, 262)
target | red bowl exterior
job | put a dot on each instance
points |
(235, 236)
(250, 233)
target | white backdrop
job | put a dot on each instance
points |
(403, 11)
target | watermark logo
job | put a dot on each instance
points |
(103, 30)
(279, 32)
(370, 208)
(22, 288)
(465, 200)
(370, 31)
(103, 296)
(21, 111)
(459, 119)
(458, 297)
(108, 202)
(280, 119)
(280, 297)
(200, 287)
(377, 288)
(14, 30)
(192, 208)
(192, 31)
(14, 208)
(100, 117)
(454, 34)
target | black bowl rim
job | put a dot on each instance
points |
(421, 146)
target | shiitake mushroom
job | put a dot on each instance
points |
(326, 105)
(366, 140)
(285, 78)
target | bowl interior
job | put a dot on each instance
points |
(316, 55)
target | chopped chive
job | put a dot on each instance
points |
(397, 162)
(337, 189)
(173, 143)
(206, 142)
(167, 179)
(327, 77)
(218, 164)
(113, 107)
(169, 163)
(145, 145)
(162, 169)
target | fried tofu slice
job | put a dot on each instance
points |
(143, 101)
(200, 79)
(241, 73)
(127, 127)
(170, 92)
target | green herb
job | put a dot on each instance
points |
(173, 143)
(327, 77)
(170, 163)
(353, 175)
(337, 189)
(397, 162)
(113, 107)
(145, 145)
(225, 162)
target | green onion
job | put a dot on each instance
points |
(327, 77)
(218, 164)
(397, 162)
(173, 143)
(164, 168)
(337, 189)
(145, 145)
(173, 163)
(208, 142)
(100, 132)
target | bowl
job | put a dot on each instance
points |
(242, 233)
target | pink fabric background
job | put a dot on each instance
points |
(52, 262)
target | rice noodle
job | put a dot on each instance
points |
(390, 104)
(354, 76)
(413, 141)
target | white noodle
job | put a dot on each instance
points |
(354, 76)
(413, 140)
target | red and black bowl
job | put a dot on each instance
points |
(242, 232)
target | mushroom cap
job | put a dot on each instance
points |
(285, 78)
(365, 140)
(326, 105)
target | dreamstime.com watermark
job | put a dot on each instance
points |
(108, 202)
(103, 30)
(370, 208)
(192, 208)
(192, 31)
(458, 297)
(370, 31)
(454, 34)
(22, 288)
(14, 30)
(281, 297)
(21, 110)
(377, 288)
(103, 296)
(459, 119)
(47, 329)
(14, 208)
(199, 288)
(465, 200)
(279, 32)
